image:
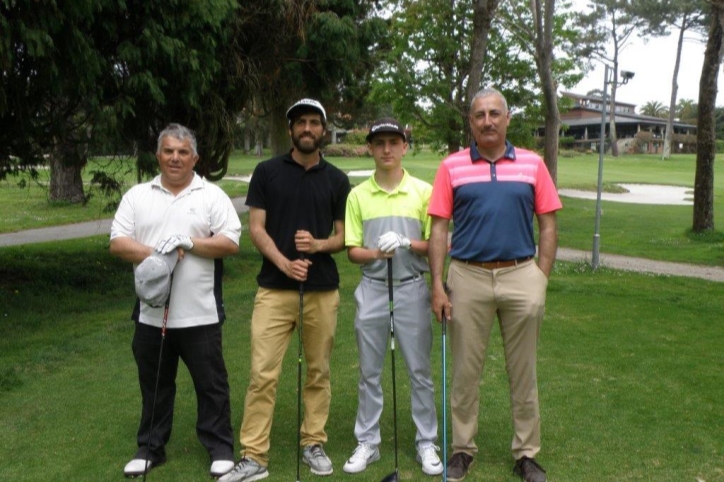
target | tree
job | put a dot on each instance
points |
(687, 111)
(613, 20)
(539, 27)
(430, 70)
(685, 15)
(50, 89)
(654, 108)
(326, 50)
(71, 64)
(705, 135)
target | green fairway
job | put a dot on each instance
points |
(630, 377)
(630, 374)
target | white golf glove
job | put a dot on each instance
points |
(390, 241)
(169, 243)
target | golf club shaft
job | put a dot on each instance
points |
(299, 374)
(445, 317)
(392, 351)
(158, 376)
(444, 402)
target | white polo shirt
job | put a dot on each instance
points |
(149, 212)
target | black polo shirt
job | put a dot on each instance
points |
(295, 198)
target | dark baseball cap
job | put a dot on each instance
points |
(306, 105)
(387, 125)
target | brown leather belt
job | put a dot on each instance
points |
(495, 264)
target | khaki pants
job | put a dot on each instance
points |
(275, 318)
(517, 295)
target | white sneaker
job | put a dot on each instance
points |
(363, 455)
(221, 467)
(137, 467)
(428, 458)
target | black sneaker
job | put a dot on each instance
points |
(529, 470)
(458, 466)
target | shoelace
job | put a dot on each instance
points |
(429, 452)
(364, 450)
(241, 465)
(316, 451)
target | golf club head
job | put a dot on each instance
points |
(391, 477)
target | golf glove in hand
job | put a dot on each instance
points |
(390, 241)
(169, 243)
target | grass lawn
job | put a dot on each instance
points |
(631, 380)
(631, 383)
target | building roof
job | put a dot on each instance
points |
(621, 118)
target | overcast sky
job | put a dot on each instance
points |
(653, 64)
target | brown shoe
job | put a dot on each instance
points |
(458, 466)
(529, 470)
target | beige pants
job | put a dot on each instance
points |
(517, 295)
(275, 317)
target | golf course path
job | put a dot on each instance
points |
(613, 261)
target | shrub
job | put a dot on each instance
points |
(345, 150)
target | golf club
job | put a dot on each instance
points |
(158, 375)
(444, 397)
(393, 477)
(299, 375)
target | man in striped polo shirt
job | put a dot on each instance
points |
(386, 218)
(493, 191)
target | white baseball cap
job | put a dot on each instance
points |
(153, 278)
(308, 104)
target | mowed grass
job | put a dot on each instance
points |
(630, 373)
(631, 384)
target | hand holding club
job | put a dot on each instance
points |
(390, 241)
(174, 241)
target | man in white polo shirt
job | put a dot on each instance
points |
(180, 211)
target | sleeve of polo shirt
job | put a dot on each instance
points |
(441, 201)
(342, 194)
(353, 231)
(124, 222)
(546, 194)
(427, 220)
(255, 194)
(223, 217)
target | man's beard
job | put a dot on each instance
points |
(306, 148)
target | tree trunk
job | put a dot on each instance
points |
(482, 20)
(543, 24)
(280, 142)
(66, 164)
(674, 92)
(247, 140)
(612, 113)
(705, 136)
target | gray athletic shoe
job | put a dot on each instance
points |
(247, 470)
(318, 462)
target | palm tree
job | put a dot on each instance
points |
(654, 108)
(687, 111)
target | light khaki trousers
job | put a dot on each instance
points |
(517, 295)
(275, 317)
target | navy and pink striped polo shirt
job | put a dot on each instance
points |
(492, 204)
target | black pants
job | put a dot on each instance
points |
(200, 349)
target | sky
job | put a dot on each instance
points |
(653, 65)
